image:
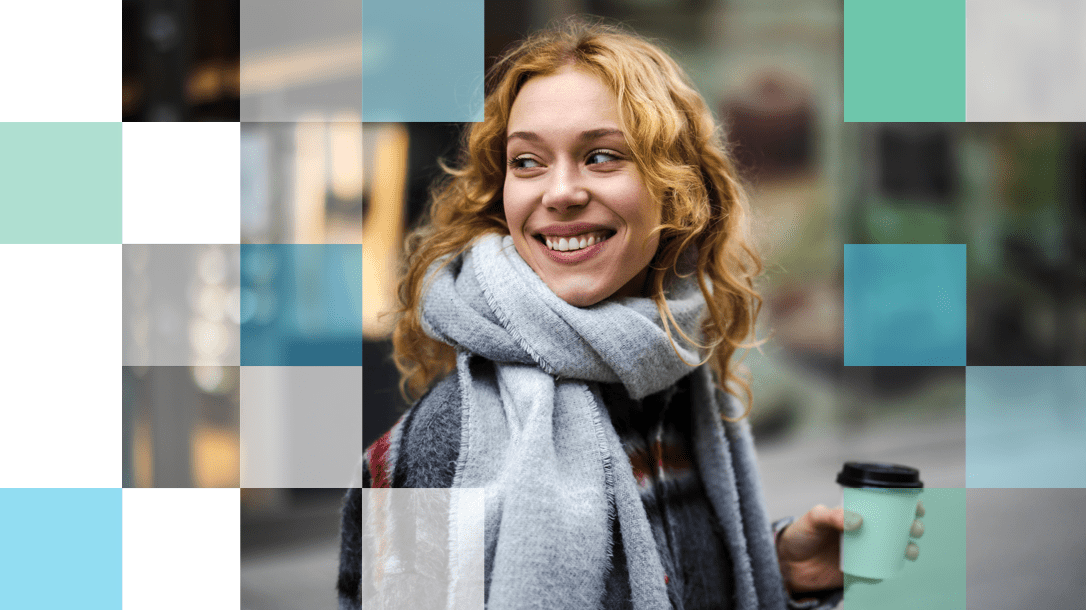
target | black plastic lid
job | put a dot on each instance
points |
(866, 474)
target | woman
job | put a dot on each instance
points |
(579, 290)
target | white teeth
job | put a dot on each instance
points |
(563, 244)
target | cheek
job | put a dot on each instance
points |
(642, 216)
(513, 209)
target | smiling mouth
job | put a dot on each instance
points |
(574, 242)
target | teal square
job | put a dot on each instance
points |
(1025, 426)
(904, 61)
(937, 579)
(301, 305)
(61, 549)
(61, 183)
(905, 305)
(422, 61)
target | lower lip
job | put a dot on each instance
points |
(575, 256)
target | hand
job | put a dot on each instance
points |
(809, 549)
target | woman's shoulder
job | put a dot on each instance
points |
(421, 450)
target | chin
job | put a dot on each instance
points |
(582, 298)
(581, 301)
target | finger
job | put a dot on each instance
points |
(852, 520)
(822, 517)
(920, 508)
(912, 551)
(917, 529)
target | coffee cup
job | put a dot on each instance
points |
(885, 496)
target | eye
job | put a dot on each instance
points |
(601, 156)
(523, 163)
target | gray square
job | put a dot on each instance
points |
(1025, 60)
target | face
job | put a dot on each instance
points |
(577, 207)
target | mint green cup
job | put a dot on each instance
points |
(885, 495)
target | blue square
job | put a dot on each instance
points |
(61, 548)
(301, 305)
(905, 305)
(1025, 426)
(422, 60)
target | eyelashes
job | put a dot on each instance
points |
(604, 153)
(519, 162)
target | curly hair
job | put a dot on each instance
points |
(675, 144)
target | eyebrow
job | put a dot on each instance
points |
(584, 136)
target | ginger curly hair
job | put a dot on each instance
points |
(681, 155)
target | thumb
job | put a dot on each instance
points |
(827, 518)
(851, 521)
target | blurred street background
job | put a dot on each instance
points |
(1013, 193)
(290, 548)
(180, 60)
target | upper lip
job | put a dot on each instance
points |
(565, 230)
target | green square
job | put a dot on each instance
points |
(61, 183)
(905, 61)
(61, 61)
(938, 578)
(59, 421)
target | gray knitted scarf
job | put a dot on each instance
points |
(538, 440)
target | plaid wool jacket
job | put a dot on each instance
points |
(349, 582)
(656, 433)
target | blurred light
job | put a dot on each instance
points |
(260, 265)
(143, 456)
(208, 378)
(383, 230)
(214, 457)
(138, 257)
(213, 265)
(309, 181)
(208, 339)
(211, 81)
(346, 145)
(212, 303)
(248, 306)
(304, 65)
(233, 305)
(229, 385)
(141, 327)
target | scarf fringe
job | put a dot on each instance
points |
(503, 318)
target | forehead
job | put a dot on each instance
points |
(568, 98)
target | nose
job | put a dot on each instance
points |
(565, 189)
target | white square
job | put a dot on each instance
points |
(180, 183)
(181, 549)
